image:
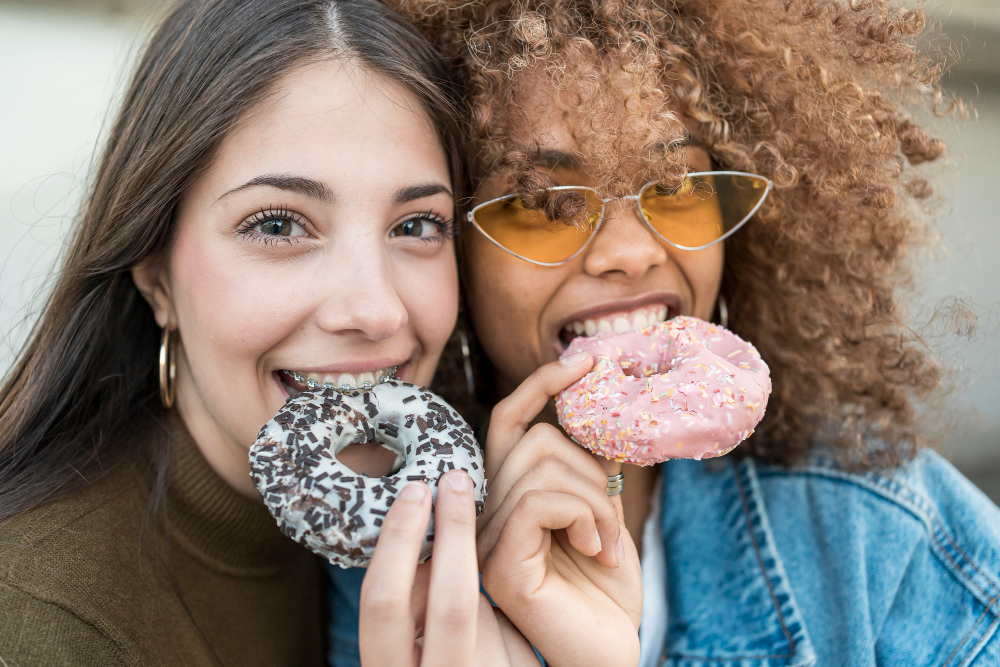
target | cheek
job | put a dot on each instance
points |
(429, 292)
(231, 311)
(703, 271)
(225, 301)
(506, 296)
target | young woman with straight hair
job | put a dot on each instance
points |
(276, 197)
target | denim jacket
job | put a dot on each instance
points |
(770, 566)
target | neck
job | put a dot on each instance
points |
(229, 459)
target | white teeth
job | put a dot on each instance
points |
(340, 380)
(641, 318)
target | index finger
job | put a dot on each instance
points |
(512, 416)
(453, 596)
(385, 623)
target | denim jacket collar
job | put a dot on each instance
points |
(716, 532)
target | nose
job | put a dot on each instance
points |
(624, 245)
(360, 296)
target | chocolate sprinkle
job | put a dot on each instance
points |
(317, 500)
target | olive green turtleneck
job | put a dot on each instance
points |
(80, 585)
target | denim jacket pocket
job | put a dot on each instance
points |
(730, 602)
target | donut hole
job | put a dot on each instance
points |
(371, 459)
(642, 368)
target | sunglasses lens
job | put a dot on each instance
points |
(527, 231)
(703, 208)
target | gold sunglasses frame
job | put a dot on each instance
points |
(471, 215)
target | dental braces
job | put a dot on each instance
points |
(344, 388)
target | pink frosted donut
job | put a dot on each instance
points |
(683, 389)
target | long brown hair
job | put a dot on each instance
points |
(83, 395)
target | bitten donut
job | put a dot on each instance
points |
(323, 504)
(683, 389)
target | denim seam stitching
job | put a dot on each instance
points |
(977, 649)
(915, 505)
(760, 564)
(971, 630)
(909, 499)
(971, 563)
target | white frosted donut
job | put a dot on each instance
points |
(334, 511)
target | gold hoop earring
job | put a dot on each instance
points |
(723, 312)
(168, 369)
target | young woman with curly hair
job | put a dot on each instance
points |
(832, 536)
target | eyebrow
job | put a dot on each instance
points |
(413, 192)
(688, 140)
(550, 158)
(298, 184)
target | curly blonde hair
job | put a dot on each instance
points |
(812, 94)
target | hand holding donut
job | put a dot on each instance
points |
(432, 613)
(553, 552)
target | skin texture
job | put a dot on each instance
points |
(347, 292)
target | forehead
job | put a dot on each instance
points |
(614, 139)
(338, 122)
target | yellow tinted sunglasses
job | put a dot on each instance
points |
(705, 208)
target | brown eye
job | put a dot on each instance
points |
(417, 228)
(280, 227)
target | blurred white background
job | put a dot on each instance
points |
(63, 65)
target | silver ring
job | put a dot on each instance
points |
(616, 484)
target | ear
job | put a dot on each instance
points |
(153, 281)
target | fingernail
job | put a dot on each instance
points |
(414, 491)
(574, 359)
(597, 539)
(619, 552)
(459, 481)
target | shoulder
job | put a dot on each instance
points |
(914, 551)
(922, 516)
(895, 567)
(36, 632)
(64, 564)
(933, 502)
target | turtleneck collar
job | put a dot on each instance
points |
(213, 522)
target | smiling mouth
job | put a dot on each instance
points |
(295, 382)
(621, 321)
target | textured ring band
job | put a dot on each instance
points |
(616, 484)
